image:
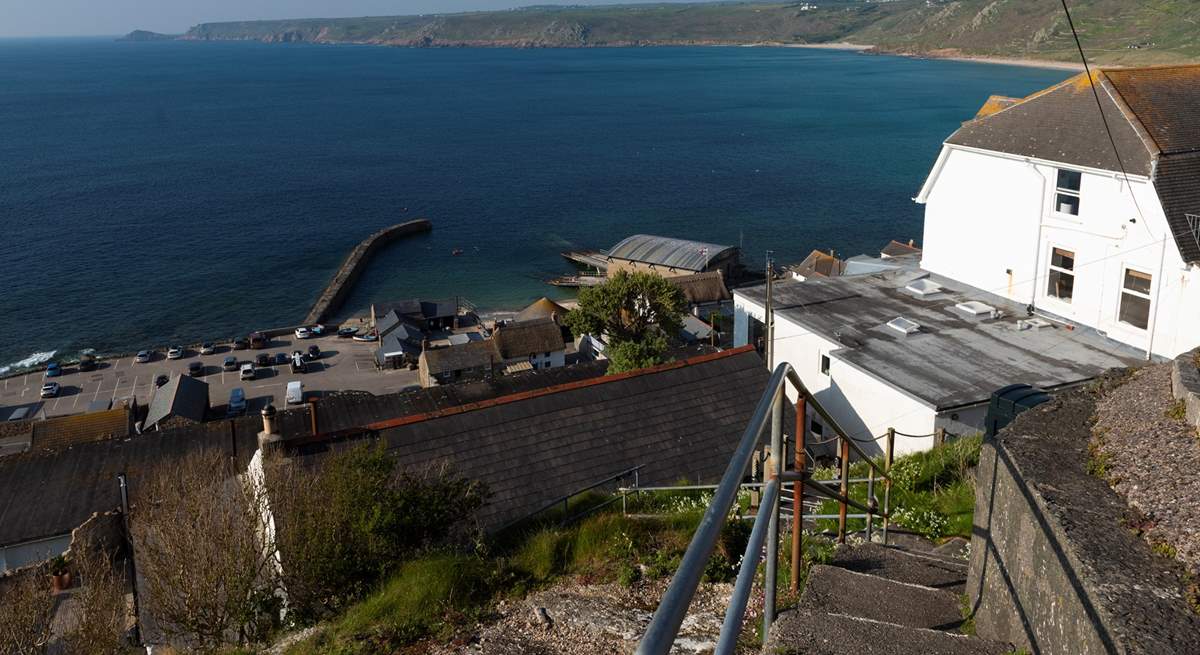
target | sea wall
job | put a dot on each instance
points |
(1054, 567)
(343, 281)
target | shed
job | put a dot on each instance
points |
(182, 396)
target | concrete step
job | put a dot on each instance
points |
(808, 632)
(904, 566)
(841, 591)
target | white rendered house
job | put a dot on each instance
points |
(1043, 263)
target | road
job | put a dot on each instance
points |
(344, 364)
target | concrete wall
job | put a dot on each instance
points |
(1053, 568)
(990, 221)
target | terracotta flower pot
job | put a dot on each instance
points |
(60, 581)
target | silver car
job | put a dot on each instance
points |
(175, 352)
(143, 356)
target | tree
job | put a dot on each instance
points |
(28, 609)
(198, 530)
(637, 312)
(101, 611)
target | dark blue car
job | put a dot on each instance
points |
(53, 370)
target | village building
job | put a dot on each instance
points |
(428, 315)
(534, 344)
(182, 399)
(1046, 259)
(465, 360)
(670, 257)
(817, 264)
(542, 308)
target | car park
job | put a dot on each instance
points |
(370, 336)
(230, 363)
(196, 369)
(161, 379)
(281, 359)
(143, 356)
(314, 352)
(175, 352)
(87, 362)
(208, 348)
(303, 333)
(248, 372)
(263, 359)
(53, 369)
(237, 403)
(50, 390)
(347, 332)
(295, 392)
(241, 344)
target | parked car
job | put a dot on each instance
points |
(162, 379)
(263, 359)
(347, 332)
(241, 344)
(248, 372)
(50, 390)
(298, 365)
(87, 362)
(53, 369)
(314, 352)
(196, 369)
(175, 352)
(317, 330)
(230, 363)
(237, 402)
(258, 340)
(295, 392)
(303, 333)
(281, 359)
(370, 336)
(208, 348)
(143, 356)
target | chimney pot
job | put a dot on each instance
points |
(270, 432)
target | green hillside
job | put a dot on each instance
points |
(1113, 31)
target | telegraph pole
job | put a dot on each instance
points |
(769, 318)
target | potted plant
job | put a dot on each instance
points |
(60, 574)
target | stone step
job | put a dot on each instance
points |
(841, 591)
(904, 566)
(808, 632)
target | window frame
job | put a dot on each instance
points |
(1051, 268)
(824, 363)
(1077, 194)
(1148, 296)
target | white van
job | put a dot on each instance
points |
(247, 372)
(295, 393)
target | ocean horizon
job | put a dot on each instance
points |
(173, 192)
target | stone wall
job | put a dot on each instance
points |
(1185, 384)
(1054, 569)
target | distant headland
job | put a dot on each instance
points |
(1015, 30)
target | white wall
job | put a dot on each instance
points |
(863, 405)
(990, 222)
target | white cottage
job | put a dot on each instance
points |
(1046, 259)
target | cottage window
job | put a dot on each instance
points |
(1062, 274)
(825, 364)
(1135, 299)
(1066, 196)
(815, 428)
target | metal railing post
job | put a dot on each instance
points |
(798, 465)
(773, 527)
(887, 482)
(844, 488)
(870, 501)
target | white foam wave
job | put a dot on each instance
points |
(29, 362)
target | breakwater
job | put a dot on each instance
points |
(347, 274)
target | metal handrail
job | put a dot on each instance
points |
(565, 499)
(668, 617)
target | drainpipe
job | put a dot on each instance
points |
(1037, 252)
(1162, 255)
(137, 615)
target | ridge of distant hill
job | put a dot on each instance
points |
(1113, 31)
(146, 35)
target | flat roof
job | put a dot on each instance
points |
(952, 360)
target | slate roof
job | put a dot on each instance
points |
(521, 338)
(1154, 114)
(471, 355)
(700, 288)
(680, 420)
(952, 361)
(666, 251)
(183, 396)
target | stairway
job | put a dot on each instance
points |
(895, 600)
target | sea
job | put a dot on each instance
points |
(174, 192)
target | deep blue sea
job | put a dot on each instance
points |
(173, 192)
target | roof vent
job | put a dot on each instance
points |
(904, 326)
(976, 309)
(923, 287)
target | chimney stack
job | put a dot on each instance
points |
(269, 438)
